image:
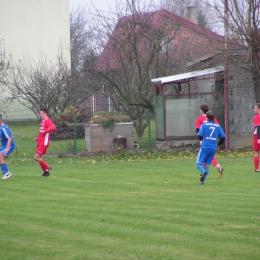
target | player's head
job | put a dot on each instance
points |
(204, 108)
(210, 116)
(43, 113)
(257, 108)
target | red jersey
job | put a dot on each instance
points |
(44, 138)
(256, 145)
(256, 123)
(202, 119)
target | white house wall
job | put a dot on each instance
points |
(32, 29)
(35, 28)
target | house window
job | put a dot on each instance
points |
(167, 44)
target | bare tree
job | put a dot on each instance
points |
(178, 7)
(80, 38)
(138, 46)
(204, 12)
(4, 65)
(243, 23)
(83, 58)
(41, 84)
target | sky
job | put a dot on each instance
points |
(103, 5)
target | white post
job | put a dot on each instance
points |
(109, 104)
(93, 104)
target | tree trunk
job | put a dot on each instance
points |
(256, 80)
(139, 123)
(139, 128)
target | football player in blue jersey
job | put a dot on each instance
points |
(212, 136)
(8, 145)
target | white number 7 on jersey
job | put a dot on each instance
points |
(213, 129)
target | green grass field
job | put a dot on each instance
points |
(129, 210)
(24, 134)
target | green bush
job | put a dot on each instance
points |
(109, 119)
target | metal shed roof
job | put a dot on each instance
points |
(188, 75)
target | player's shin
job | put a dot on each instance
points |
(215, 162)
(200, 167)
(206, 170)
(256, 162)
(4, 168)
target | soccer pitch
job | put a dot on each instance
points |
(154, 209)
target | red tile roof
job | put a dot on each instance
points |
(107, 58)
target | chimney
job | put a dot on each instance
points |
(192, 14)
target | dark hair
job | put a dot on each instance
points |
(44, 110)
(258, 105)
(204, 108)
(210, 115)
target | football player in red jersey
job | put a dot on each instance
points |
(43, 141)
(199, 121)
(256, 137)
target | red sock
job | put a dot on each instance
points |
(214, 161)
(44, 165)
(256, 162)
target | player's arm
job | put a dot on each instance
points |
(258, 131)
(50, 128)
(200, 133)
(200, 137)
(222, 137)
(8, 136)
(197, 125)
(221, 141)
(9, 140)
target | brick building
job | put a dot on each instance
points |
(189, 40)
(184, 41)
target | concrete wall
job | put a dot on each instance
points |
(241, 113)
(100, 140)
(240, 140)
(35, 28)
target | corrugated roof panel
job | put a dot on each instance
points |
(188, 75)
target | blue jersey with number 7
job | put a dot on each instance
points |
(211, 132)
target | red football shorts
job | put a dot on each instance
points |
(41, 150)
(256, 146)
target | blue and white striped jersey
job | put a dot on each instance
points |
(5, 133)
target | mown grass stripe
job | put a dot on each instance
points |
(130, 210)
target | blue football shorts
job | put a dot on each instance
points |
(9, 152)
(206, 155)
